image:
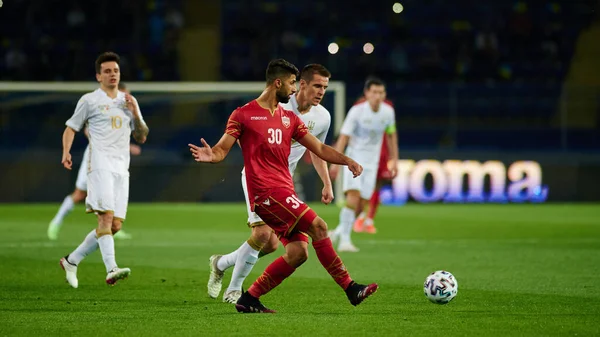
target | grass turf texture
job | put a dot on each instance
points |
(522, 270)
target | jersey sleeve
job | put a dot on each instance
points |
(350, 123)
(235, 124)
(80, 116)
(391, 127)
(132, 122)
(300, 129)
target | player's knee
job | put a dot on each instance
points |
(296, 254)
(353, 199)
(261, 235)
(105, 220)
(116, 225)
(271, 245)
(318, 229)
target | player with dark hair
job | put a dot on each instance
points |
(265, 132)
(314, 80)
(363, 132)
(80, 192)
(112, 117)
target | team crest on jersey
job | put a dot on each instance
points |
(311, 126)
(104, 108)
(286, 121)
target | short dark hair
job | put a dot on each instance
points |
(372, 80)
(310, 70)
(106, 57)
(279, 68)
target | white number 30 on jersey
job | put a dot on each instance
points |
(275, 136)
(294, 201)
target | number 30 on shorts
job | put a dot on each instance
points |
(294, 201)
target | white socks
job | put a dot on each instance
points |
(65, 208)
(227, 261)
(344, 229)
(107, 248)
(88, 246)
(246, 258)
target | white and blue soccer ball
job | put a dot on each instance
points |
(440, 287)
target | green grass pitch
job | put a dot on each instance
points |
(523, 270)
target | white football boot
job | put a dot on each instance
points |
(347, 247)
(215, 279)
(232, 296)
(117, 274)
(71, 271)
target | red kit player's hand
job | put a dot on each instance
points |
(202, 154)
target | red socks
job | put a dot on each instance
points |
(373, 204)
(275, 273)
(332, 262)
(279, 270)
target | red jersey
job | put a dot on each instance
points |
(266, 140)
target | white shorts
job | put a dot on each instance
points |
(365, 183)
(253, 218)
(81, 183)
(108, 192)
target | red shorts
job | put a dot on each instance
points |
(288, 216)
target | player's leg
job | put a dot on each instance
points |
(355, 292)
(296, 253)
(90, 243)
(369, 189)
(78, 195)
(115, 198)
(349, 211)
(374, 202)
(247, 256)
(348, 214)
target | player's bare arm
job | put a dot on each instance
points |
(141, 129)
(67, 142)
(321, 168)
(392, 143)
(330, 154)
(340, 146)
(207, 154)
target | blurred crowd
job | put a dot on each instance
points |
(428, 40)
(47, 40)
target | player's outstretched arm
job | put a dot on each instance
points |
(329, 154)
(206, 154)
(67, 142)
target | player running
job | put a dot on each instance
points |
(314, 80)
(112, 117)
(362, 131)
(265, 132)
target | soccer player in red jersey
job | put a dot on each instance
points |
(265, 131)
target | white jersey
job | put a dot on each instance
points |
(365, 128)
(110, 124)
(317, 120)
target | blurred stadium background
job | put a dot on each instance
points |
(497, 80)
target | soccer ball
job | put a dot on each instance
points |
(440, 287)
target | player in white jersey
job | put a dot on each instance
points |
(80, 192)
(314, 80)
(363, 131)
(112, 117)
